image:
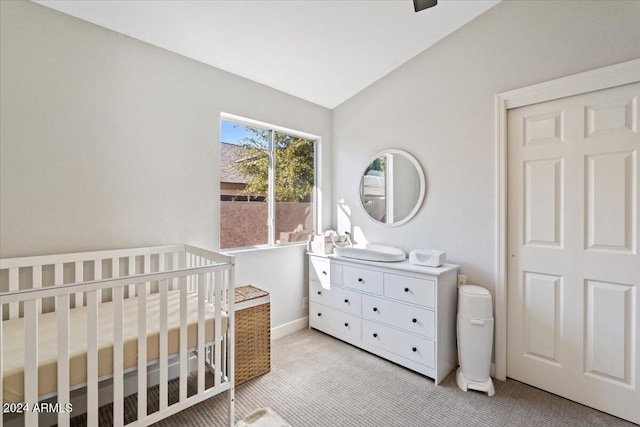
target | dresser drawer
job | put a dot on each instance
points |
(362, 279)
(410, 318)
(324, 271)
(340, 298)
(334, 321)
(409, 346)
(410, 289)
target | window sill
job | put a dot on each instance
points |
(257, 248)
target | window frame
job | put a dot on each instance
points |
(271, 193)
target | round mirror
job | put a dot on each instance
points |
(392, 187)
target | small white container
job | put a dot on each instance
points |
(428, 257)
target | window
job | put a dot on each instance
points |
(267, 182)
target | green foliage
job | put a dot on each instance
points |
(294, 165)
(377, 165)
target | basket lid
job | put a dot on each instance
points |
(248, 292)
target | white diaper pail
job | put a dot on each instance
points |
(475, 339)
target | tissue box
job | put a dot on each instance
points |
(428, 257)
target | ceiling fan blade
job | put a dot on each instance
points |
(419, 5)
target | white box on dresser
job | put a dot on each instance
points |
(402, 312)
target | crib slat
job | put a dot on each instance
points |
(146, 268)
(223, 348)
(159, 268)
(92, 358)
(58, 279)
(187, 264)
(142, 351)
(79, 278)
(183, 341)
(217, 332)
(201, 354)
(118, 373)
(97, 275)
(210, 298)
(161, 261)
(13, 286)
(115, 267)
(175, 266)
(30, 360)
(194, 278)
(132, 272)
(62, 312)
(37, 283)
(164, 349)
(115, 270)
(184, 280)
(210, 285)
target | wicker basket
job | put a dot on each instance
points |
(252, 333)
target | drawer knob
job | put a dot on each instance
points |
(375, 308)
(319, 292)
(414, 349)
(414, 320)
(406, 289)
(375, 335)
(346, 324)
(324, 272)
(346, 301)
(319, 314)
(360, 279)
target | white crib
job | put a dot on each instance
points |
(73, 326)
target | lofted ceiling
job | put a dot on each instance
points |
(323, 51)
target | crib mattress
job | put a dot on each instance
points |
(13, 348)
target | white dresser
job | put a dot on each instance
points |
(399, 311)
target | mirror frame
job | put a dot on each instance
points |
(421, 196)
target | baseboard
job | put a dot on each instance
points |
(289, 328)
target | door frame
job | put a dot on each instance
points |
(588, 81)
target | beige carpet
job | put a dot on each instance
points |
(317, 380)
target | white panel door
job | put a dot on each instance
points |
(573, 231)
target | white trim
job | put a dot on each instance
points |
(589, 81)
(317, 186)
(255, 248)
(271, 191)
(266, 126)
(289, 328)
(388, 189)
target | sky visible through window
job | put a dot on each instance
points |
(232, 133)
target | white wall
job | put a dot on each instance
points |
(279, 265)
(440, 108)
(108, 142)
